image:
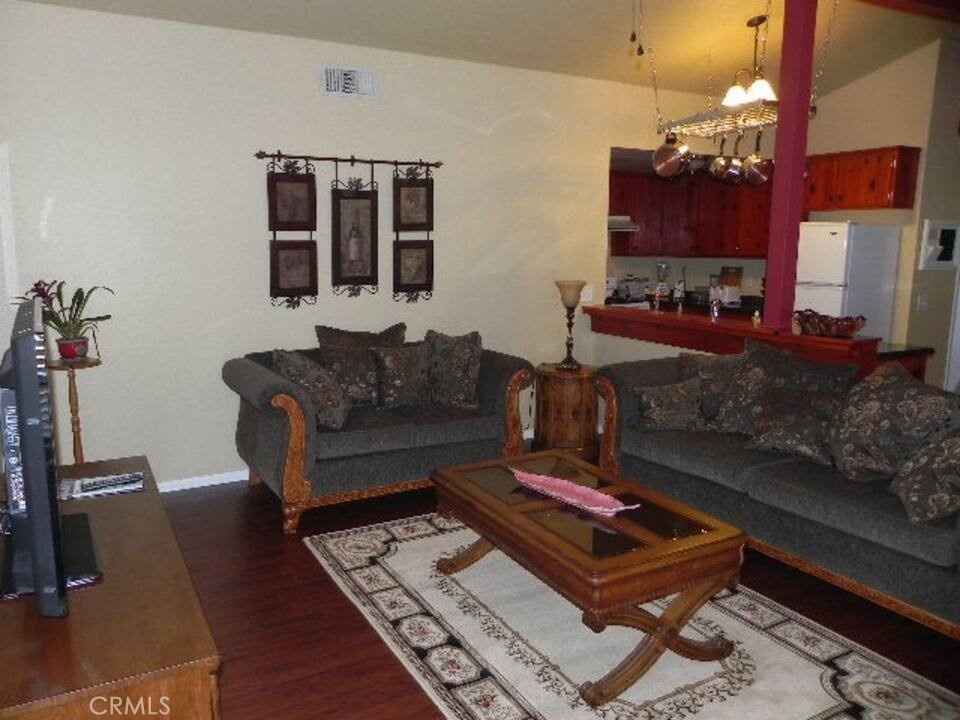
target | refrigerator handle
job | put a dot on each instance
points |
(815, 284)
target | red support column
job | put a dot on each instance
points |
(796, 66)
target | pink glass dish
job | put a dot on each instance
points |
(570, 493)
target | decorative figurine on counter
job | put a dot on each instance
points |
(755, 318)
(715, 310)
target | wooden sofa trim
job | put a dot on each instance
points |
(297, 497)
(609, 461)
(514, 444)
(609, 456)
(935, 622)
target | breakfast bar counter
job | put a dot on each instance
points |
(695, 330)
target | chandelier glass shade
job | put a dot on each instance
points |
(759, 88)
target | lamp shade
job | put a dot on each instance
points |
(570, 292)
(736, 95)
(760, 89)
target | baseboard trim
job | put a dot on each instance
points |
(203, 481)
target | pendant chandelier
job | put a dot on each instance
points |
(750, 103)
(759, 89)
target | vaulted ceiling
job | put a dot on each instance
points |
(691, 41)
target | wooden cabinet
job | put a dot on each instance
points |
(136, 641)
(645, 198)
(733, 220)
(753, 221)
(566, 410)
(862, 179)
(678, 217)
(689, 216)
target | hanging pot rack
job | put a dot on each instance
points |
(723, 120)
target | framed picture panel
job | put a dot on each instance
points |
(293, 268)
(413, 266)
(412, 204)
(292, 201)
(354, 237)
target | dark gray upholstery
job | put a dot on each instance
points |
(868, 510)
(376, 430)
(628, 375)
(860, 531)
(376, 446)
(925, 585)
(721, 457)
(362, 472)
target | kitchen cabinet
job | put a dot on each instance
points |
(664, 211)
(678, 218)
(862, 179)
(753, 221)
(689, 216)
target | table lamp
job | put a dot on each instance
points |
(570, 297)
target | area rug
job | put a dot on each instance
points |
(494, 643)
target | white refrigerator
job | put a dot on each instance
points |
(844, 268)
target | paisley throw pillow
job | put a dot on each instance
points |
(797, 423)
(393, 336)
(887, 416)
(402, 375)
(454, 368)
(354, 369)
(768, 368)
(928, 483)
(320, 384)
(670, 407)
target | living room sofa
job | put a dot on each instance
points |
(853, 534)
(378, 450)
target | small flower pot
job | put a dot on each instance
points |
(73, 349)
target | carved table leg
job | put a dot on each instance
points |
(662, 633)
(465, 558)
(74, 401)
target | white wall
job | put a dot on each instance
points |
(131, 146)
(932, 298)
(891, 106)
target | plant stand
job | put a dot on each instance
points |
(71, 367)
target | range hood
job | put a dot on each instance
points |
(621, 223)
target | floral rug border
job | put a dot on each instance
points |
(864, 684)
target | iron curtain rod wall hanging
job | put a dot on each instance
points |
(292, 204)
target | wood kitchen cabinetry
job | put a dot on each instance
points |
(871, 179)
(689, 216)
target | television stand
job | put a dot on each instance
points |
(79, 559)
(137, 639)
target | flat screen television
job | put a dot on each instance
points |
(44, 553)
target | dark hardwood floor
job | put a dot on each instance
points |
(295, 647)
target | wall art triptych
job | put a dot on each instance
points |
(292, 207)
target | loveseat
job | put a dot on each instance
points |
(281, 436)
(854, 534)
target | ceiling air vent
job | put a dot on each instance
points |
(349, 82)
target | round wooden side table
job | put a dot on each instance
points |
(71, 367)
(566, 416)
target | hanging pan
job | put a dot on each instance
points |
(670, 159)
(757, 169)
(733, 171)
(718, 165)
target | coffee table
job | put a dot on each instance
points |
(606, 566)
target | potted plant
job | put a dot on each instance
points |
(68, 320)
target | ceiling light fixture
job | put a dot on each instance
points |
(759, 88)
